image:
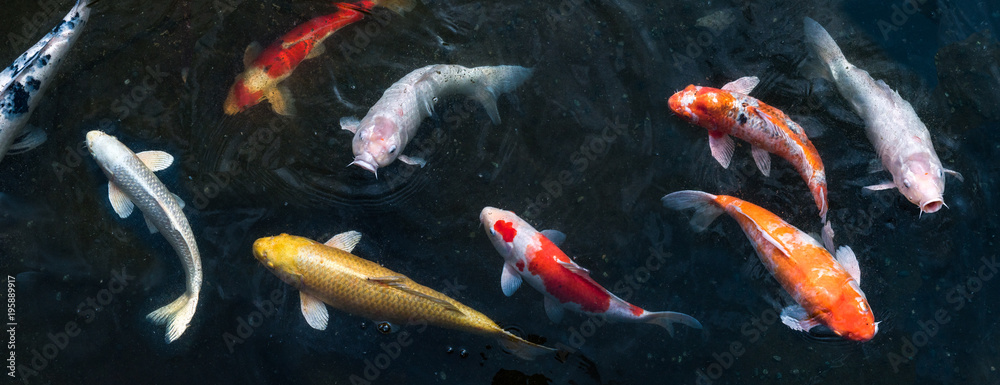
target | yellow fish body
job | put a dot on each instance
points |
(329, 273)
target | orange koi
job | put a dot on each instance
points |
(826, 289)
(729, 111)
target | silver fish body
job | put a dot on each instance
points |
(23, 82)
(381, 136)
(132, 182)
(901, 140)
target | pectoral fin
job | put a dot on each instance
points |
(881, 186)
(553, 309)
(314, 311)
(557, 237)
(742, 85)
(180, 202)
(350, 123)
(33, 138)
(119, 201)
(722, 149)
(281, 100)
(955, 174)
(795, 317)
(250, 54)
(399, 282)
(412, 160)
(510, 279)
(345, 241)
(763, 160)
(155, 160)
(847, 259)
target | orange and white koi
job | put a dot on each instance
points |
(729, 111)
(533, 256)
(899, 137)
(266, 69)
(826, 289)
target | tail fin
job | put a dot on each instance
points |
(706, 209)
(177, 315)
(521, 348)
(495, 81)
(667, 319)
(398, 6)
(822, 44)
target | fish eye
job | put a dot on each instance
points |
(384, 327)
(906, 183)
(392, 150)
(493, 231)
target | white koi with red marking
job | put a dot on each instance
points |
(899, 137)
(535, 257)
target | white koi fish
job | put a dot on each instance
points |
(535, 257)
(379, 138)
(900, 138)
(23, 82)
(131, 184)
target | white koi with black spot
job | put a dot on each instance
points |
(24, 81)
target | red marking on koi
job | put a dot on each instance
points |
(563, 284)
(506, 229)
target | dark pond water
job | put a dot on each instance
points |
(155, 74)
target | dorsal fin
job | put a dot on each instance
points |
(345, 241)
(778, 245)
(399, 282)
(572, 266)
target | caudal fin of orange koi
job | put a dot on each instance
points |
(522, 348)
(667, 319)
(398, 6)
(706, 209)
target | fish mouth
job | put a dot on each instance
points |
(931, 206)
(367, 162)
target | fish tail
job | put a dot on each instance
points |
(822, 44)
(398, 6)
(494, 81)
(667, 319)
(705, 205)
(521, 348)
(177, 315)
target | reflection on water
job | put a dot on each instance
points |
(587, 146)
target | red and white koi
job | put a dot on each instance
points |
(900, 138)
(729, 111)
(24, 81)
(265, 70)
(827, 290)
(534, 256)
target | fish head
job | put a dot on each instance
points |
(502, 228)
(278, 253)
(242, 96)
(105, 148)
(701, 105)
(922, 182)
(378, 144)
(853, 318)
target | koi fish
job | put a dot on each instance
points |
(329, 273)
(266, 69)
(730, 111)
(535, 257)
(826, 290)
(132, 183)
(900, 138)
(379, 138)
(23, 82)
